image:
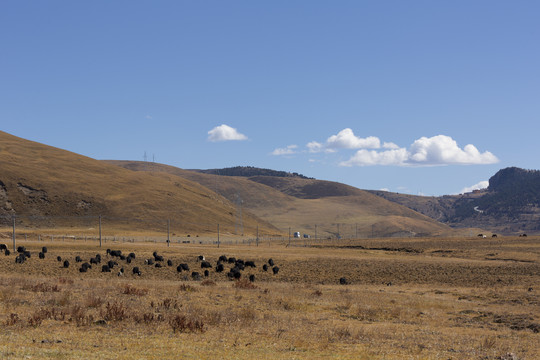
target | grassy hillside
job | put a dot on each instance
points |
(55, 185)
(309, 205)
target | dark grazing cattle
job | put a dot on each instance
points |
(169, 262)
(206, 273)
(206, 265)
(105, 268)
(94, 261)
(111, 264)
(265, 267)
(41, 255)
(131, 255)
(7, 252)
(275, 270)
(179, 268)
(270, 262)
(27, 254)
(136, 271)
(158, 257)
(231, 260)
(58, 258)
(220, 268)
(115, 253)
(250, 264)
(128, 259)
(185, 266)
(44, 249)
(222, 258)
(149, 261)
(78, 258)
(21, 249)
(20, 259)
(158, 265)
(252, 278)
(66, 264)
(343, 281)
(3, 247)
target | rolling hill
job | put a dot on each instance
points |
(313, 207)
(46, 187)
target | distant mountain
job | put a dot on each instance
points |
(314, 207)
(248, 171)
(510, 204)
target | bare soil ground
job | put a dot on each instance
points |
(436, 298)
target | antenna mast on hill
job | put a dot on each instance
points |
(239, 226)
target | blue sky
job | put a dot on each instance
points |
(419, 97)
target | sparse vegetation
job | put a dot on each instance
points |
(450, 298)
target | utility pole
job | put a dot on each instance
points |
(218, 235)
(13, 220)
(99, 230)
(168, 232)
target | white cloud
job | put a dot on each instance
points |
(371, 157)
(289, 150)
(437, 150)
(443, 150)
(346, 139)
(390, 145)
(314, 147)
(481, 185)
(225, 133)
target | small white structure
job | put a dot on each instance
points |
(297, 234)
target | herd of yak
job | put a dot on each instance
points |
(113, 257)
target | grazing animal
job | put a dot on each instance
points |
(20, 249)
(179, 268)
(223, 258)
(105, 268)
(3, 247)
(131, 255)
(20, 259)
(41, 255)
(121, 272)
(93, 261)
(205, 265)
(200, 258)
(26, 254)
(252, 278)
(275, 269)
(111, 264)
(206, 273)
(250, 264)
(158, 265)
(7, 252)
(270, 262)
(169, 262)
(58, 258)
(265, 267)
(78, 258)
(343, 281)
(185, 267)
(128, 259)
(66, 264)
(136, 271)
(149, 261)
(220, 268)
(232, 260)
(44, 249)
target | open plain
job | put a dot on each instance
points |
(417, 298)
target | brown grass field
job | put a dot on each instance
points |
(419, 298)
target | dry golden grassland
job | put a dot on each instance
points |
(405, 299)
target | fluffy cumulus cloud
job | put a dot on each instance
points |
(436, 150)
(346, 139)
(289, 150)
(225, 133)
(481, 185)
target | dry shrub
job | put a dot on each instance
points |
(187, 288)
(42, 287)
(244, 284)
(66, 281)
(115, 311)
(167, 304)
(13, 319)
(79, 316)
(317, 293)
(208, 282)
(131, 290)
(93, 301)
(148, 318)
(182, 323)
